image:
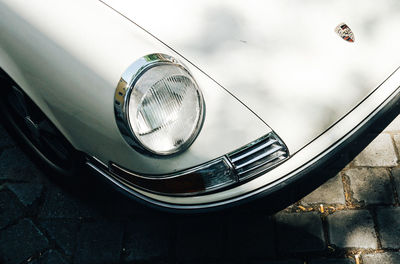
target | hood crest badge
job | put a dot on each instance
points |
(345, 32)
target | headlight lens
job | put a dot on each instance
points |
(164, 105)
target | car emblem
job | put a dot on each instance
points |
(345, 32)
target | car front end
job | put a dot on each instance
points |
(204, 106)
(263, 168)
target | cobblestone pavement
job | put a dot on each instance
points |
(352, 218)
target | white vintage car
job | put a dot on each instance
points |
(200, 105)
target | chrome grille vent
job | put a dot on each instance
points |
(259, 156)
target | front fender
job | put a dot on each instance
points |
(69, 56)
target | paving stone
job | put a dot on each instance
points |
(394, 125)
(60, 204)
(10, 210)
(5, 139)
(396, 176)
(371, 185)
(332, 261)
(21, 241)
(27, 193)
(63, 232)
(251, 236)
(352, 229)
(382, 258)
(199, 238)
(389, 226)
(331, 192)
(299, 232)
(99, 242)
(397, 142)
(14, 165)
(379, 153)
(50, 257)
(147, 239)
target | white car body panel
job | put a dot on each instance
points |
(282, 58)
(68, 56)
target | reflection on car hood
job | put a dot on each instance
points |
(282, 58)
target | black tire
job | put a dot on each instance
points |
(36, 134)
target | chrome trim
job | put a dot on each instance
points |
(99, 161)
(254, 150)
(123, 93)
(196, 180)
(259, 156)
(175, 174)
(268, 164)
(178, 183)
(175, 184)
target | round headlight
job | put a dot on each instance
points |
(162, 105)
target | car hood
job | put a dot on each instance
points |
(281, 58)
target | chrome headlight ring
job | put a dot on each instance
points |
(152, 96)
